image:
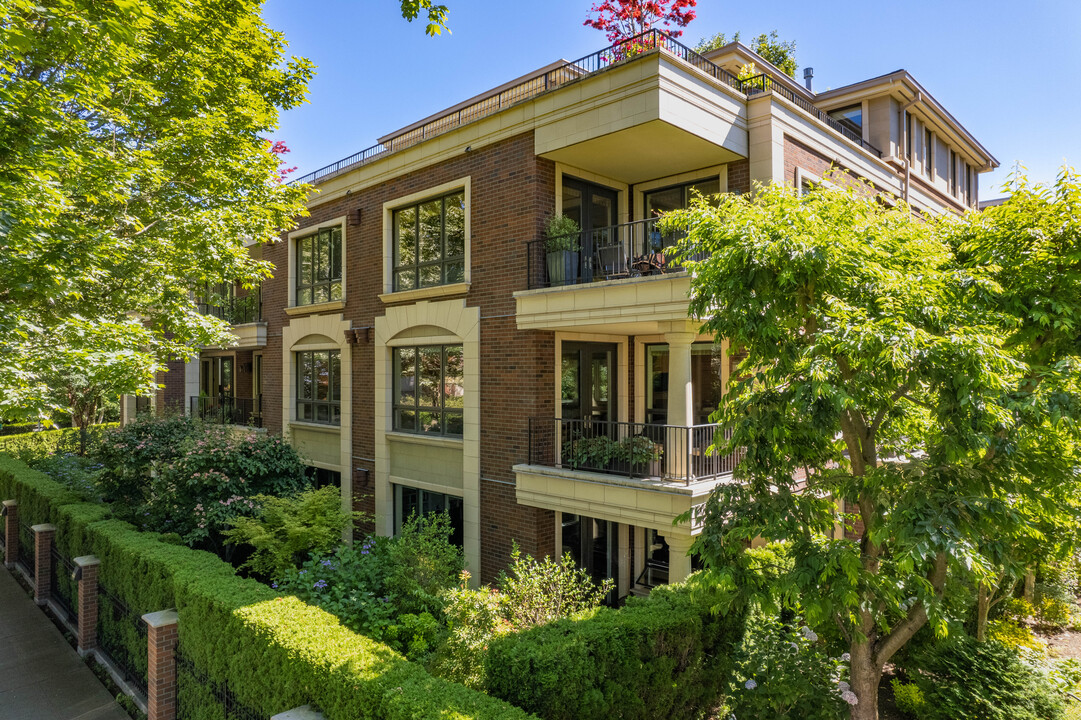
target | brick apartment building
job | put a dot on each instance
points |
(423, 350)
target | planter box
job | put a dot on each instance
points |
(562, 267)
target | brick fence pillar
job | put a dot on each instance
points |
(86, 572)
(161, 665)
(43, 566)
(11, 533)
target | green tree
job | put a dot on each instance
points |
(437, 14)
(903, 367)
(771, 47)
(133, 169)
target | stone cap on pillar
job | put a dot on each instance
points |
(10, 504)
(85, 561)
(43, 527)
(160, 618)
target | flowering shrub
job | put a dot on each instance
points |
(181, 476)
(389, 589)
(473, 618)
(782, 671)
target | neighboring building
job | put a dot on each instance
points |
(417, 345)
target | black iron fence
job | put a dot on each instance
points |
(121, 635)
(633, 249)
(195, 692)
(63, 590)
(637, 450)
(227, 410)
(766, 83)
(234, 310)
(27, 550)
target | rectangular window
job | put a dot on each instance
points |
(409, 502)
(429, 389)
(321, 477)
(707, 361)
(319, 267)
(319, 386)
(429, 243)
(953, 173)
(928, 153)
(849, 121)
(678, 197)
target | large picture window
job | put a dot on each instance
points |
(429, 243)
(428, 389)
(319, 267)
(319, 386)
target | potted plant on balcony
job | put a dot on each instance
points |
(642, 454)
(592, 453)
(562, 249)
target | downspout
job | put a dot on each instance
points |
(904, 141)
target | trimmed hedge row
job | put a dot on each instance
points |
(275, 652)
(667, 655)
(43, 442)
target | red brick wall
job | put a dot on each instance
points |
(512, 191)
(739, 176)
(170, 397)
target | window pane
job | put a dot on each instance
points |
(431, 231)
(454, 423)
(406, 280)
(662, 201)
(305, 375)
(706, 187)
(304, 296)
(406, 420)
(405, 361)
(304, 411)
(431, 275)
(336, 253)
(455, 272)
(406, 226)
(336, 414)
(322, 413)
(429, 359)
(428, 422)
(410, 502)
(322, 257)
(335, 376)
(455, 225)
(336, 291)
(453, 394)
(321, 293)
(321, 368)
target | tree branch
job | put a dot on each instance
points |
(917, 617)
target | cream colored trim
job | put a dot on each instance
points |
(428, 440)
(640, 190)
(297, 310)
(464, 183)
(463, 325)
(334, 327)
(304, 232)
(424, 340)
(425, 293)
(318, 427)
(423, 485)
(640, 380)
(621, 188)
(622, 371)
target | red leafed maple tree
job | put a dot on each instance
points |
(279, 148)
(623, 19)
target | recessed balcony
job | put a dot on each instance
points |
(228, 410)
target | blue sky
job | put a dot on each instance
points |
(1010, 72)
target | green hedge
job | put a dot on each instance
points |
(664, 656)
(44, 442)
(275, 652)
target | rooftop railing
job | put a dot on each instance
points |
(767, 83)
(568, 72)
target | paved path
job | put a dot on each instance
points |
(41, 676)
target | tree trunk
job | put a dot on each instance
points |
(1030, 586)
(864, 677)
(983, 604)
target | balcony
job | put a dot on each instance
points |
(659, 453)
(226, 410)
(245, 314)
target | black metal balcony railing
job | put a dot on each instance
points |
(673, 453)
(228, 410)
(766, 83)
(633, 249)
(234, 310)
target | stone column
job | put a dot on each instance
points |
(161, 665)
(43, 566)
(679, 561)
(11, 533)
(86, 572)
(680, 402)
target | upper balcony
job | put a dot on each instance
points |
(245, 314)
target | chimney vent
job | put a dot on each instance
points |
(808, 73)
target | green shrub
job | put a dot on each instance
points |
(423, 564)
(664, 656)
(782, 671)
(909, 698)
(275, 652)
(286, 531)
(536, 592)
(473, 618)
(962, 679)
(33, 446)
